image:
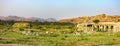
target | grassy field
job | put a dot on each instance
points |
(54, 34)
(94, 39)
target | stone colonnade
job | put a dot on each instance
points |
(100, 27)
(103, 27)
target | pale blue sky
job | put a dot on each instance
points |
(58, 8)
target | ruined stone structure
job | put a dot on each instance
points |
(20, 24)
(101, 26)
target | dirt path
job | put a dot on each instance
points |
(15, 45)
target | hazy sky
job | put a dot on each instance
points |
(58, 8)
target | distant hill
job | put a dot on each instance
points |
(17, 18)
(101, 17)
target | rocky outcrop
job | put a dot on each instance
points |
(100, 17)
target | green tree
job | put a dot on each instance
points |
(11, 22)
(96, 21)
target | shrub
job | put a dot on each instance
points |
(21, 29)
(96, 21)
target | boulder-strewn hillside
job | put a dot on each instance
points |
(16, 18)
(100, 17)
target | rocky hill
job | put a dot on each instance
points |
(17, 18)
(100, 17)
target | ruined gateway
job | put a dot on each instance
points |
(101, 26)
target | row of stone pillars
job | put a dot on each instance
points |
(99, 28)
(102, 28)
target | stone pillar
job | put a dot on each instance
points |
(111, 28)
(98, 28)
(104, 28)
(115, 28)
(108, 28)
(118, 28)
(86, 27)
(95, 27)
(92, 27)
